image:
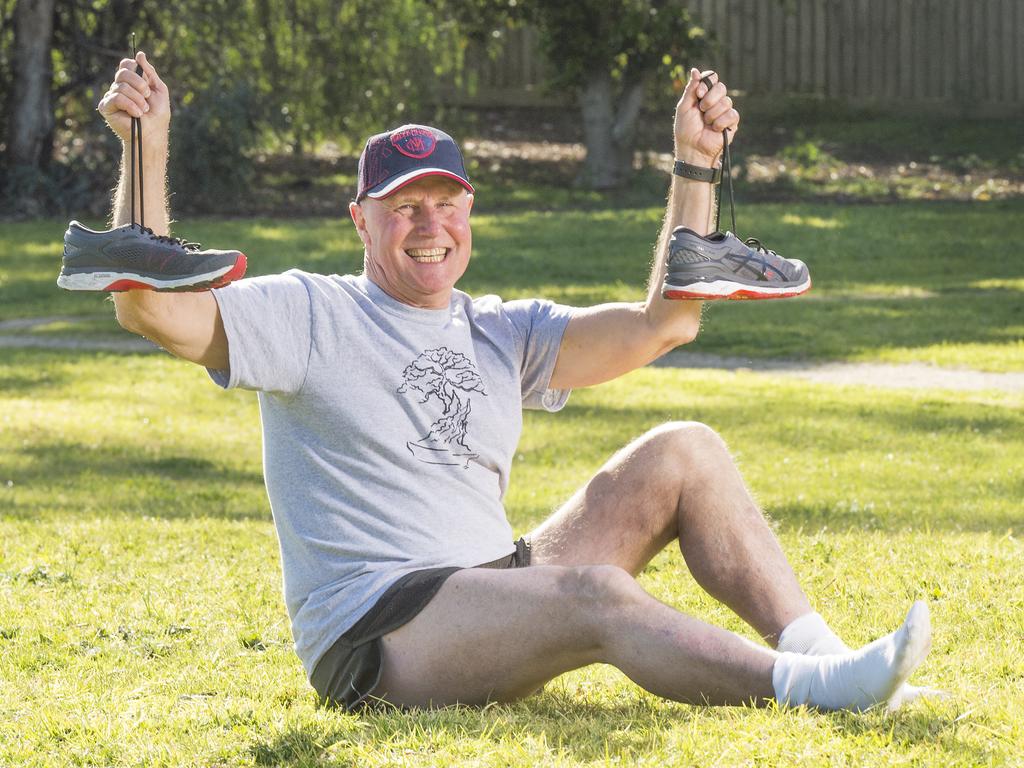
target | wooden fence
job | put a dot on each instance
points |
(937, 55)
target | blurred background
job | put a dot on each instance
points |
(555, 103)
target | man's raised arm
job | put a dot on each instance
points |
(187, 325)
(609, 340)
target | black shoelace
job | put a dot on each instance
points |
(137, 133)
(141, 224)
(751, 242)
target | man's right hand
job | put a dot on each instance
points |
(133, 95)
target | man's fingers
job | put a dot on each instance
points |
(149, 70)
(708, 79)
(730, 120)
(712, 97)
(717, 109)
(126, 77)
(114, 101)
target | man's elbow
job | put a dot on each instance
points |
(681, 333)
(689, 332)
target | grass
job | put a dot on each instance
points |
(141, 621)
(935, 282)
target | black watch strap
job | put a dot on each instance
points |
(697, 173)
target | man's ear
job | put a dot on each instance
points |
(470, 198)
(359, 219)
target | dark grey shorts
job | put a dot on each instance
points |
(347, 674)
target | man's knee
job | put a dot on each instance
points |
(689, 440)
(597, 588)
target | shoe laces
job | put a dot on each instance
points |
(178, 241)
(727, 172)
(754, 244)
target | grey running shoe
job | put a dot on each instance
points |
(721, 266)
(133, 257)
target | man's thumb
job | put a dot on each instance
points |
(691, 87)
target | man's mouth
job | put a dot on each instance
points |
(427, 255)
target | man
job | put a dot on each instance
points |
(391, 407)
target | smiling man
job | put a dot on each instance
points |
(391, 406)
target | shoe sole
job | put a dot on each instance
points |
(728, 290)
(115, 282)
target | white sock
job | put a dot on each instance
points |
(859, 679)
(811, 636)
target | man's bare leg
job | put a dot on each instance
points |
(678, 481)
(499, 635)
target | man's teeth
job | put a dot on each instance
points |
(427, 255)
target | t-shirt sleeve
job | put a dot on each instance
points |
(538, 328)
(268, 323)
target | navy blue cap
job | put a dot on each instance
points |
(398, 157)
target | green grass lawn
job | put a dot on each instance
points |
(941, 283)
(141, 621)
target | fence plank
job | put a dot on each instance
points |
(955, 55)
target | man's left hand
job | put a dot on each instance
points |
(701, 116)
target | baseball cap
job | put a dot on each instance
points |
(392, 159)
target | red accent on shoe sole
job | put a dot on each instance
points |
(741, 295)
(233, 274)
(128, 285)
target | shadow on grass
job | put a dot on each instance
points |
(577, 731)
(73, 477)
(32, 383)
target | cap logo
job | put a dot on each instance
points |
(416, 143)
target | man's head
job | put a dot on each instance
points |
(412, 213)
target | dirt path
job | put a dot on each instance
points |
(886, 375)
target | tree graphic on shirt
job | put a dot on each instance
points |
(442, 373)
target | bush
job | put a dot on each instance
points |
(211, 140)
(61, 189)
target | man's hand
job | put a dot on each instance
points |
(133, 95)
(701, 116)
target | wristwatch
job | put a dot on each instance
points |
(697, 173)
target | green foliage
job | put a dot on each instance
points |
(214, 135)
(624, 38)
(627, 38)
(292, 74)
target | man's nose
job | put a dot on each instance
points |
(428, 220)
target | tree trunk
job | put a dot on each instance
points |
(31, 109)
(609, 130)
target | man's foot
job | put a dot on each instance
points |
(811, 635)
(720, 266)
(133, 257)
(858, 680)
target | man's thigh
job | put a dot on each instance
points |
(494, 635)
(628, 511)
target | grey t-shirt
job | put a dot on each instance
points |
(388, 431)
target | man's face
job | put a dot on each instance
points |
(418, 240)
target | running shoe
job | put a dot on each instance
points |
(721, 266)
(133, 257)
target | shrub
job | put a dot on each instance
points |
(212, 137)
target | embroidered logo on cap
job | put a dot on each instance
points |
(416, 143)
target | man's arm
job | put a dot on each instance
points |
(609, 340)
(188, 325)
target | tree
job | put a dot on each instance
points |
(608, 52)
(244, 74)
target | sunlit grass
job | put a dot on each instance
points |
(938, 283)
(141, 620)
